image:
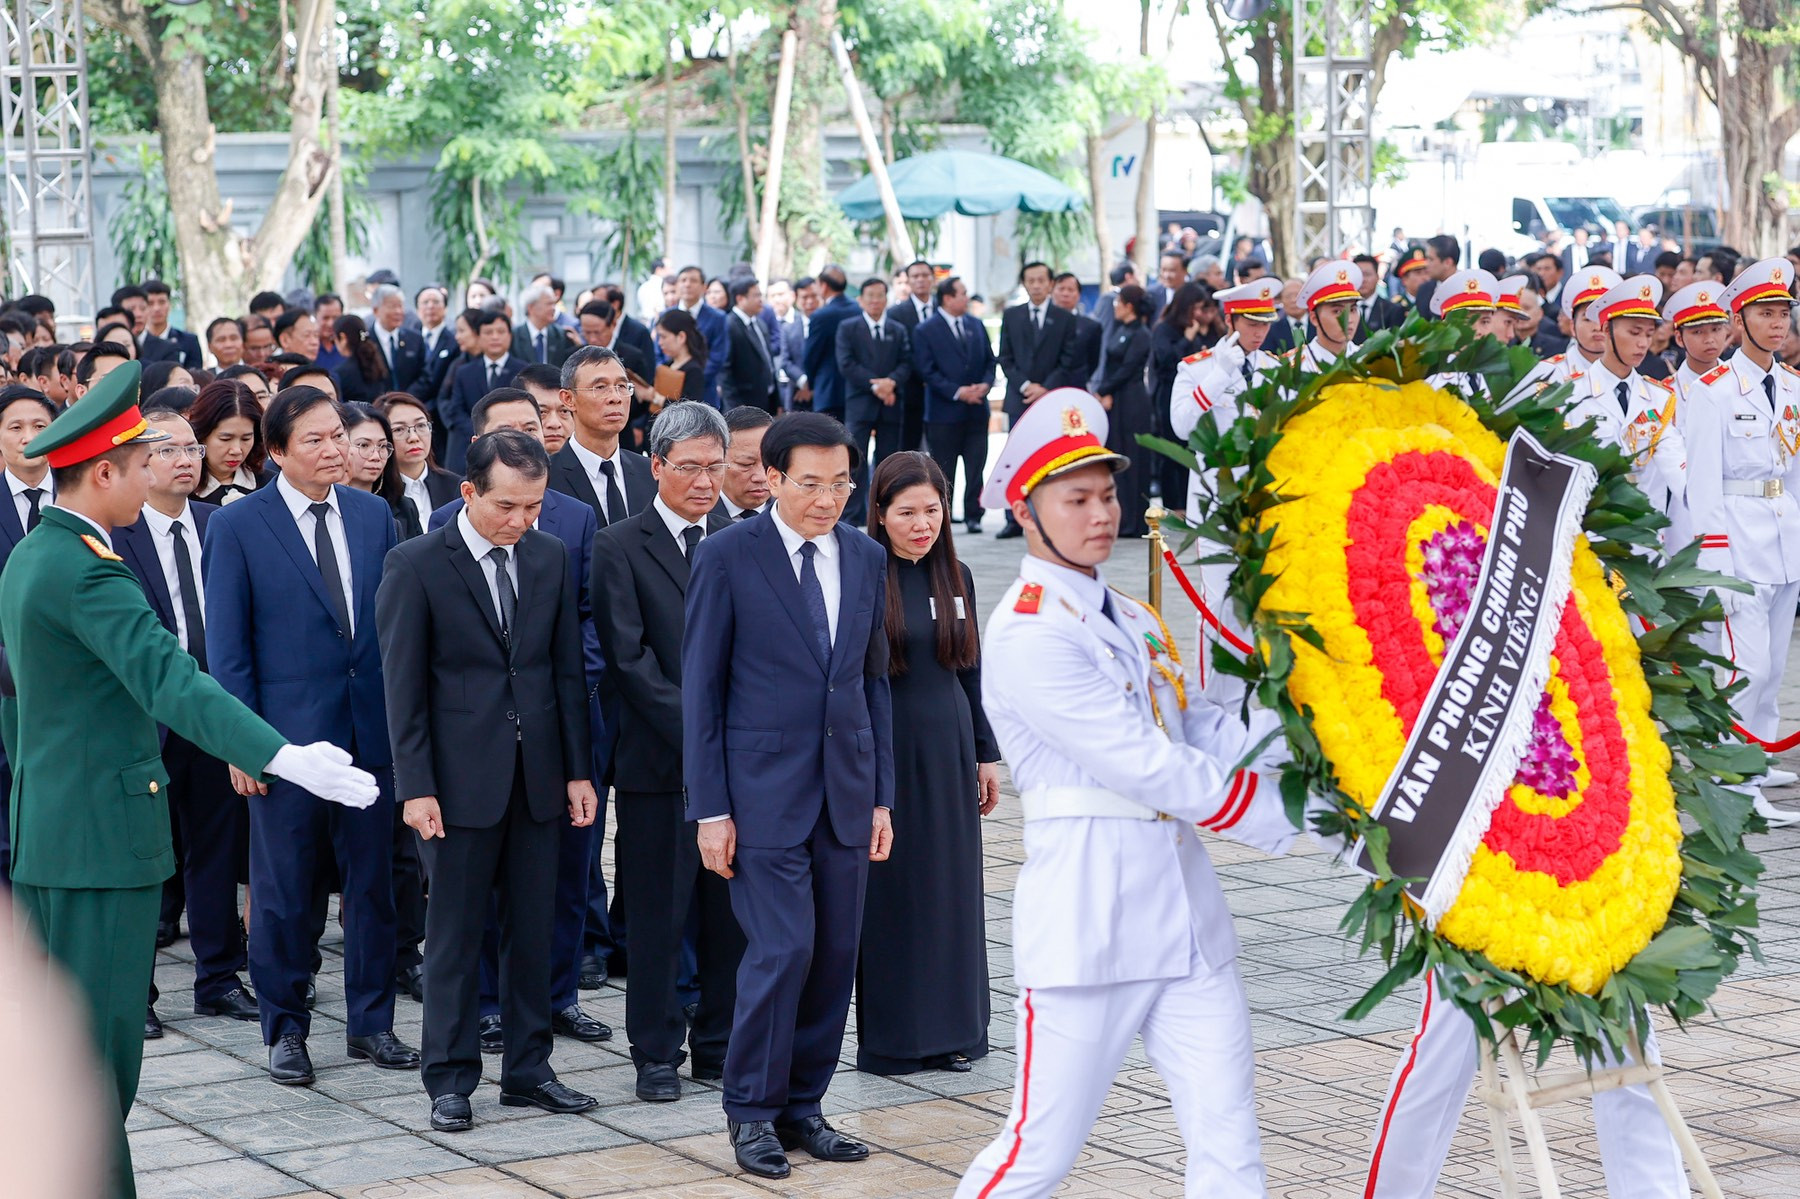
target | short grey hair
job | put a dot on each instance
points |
(384, 293)
(494, 303)
(534, 293)
(1203, 263)
(585, 356)
(686, 422)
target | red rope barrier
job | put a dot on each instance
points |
(1207, 614)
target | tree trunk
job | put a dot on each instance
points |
(743, 140)
(1096, 168)
(340, 252)
(669, 151)
(213, 269)
(803, 176)
(1756, 121)
(1144, 247)
(311, 165)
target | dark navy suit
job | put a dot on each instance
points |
(796, 747)
(211, 820)
(11, 533)
(273, 640)
(571, 522)
(468, 383)
(820, 361)
(956, 431)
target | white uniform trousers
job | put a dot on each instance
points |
(1072, 1041)
(1756, 640)
(1425, 1102)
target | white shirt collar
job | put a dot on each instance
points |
(159, 524)
(743, 316)
(675, 522)
(19, 486)
(590, 462)
(478, 545)
(497, 361)
(874, 325)
(297, 501)
(732, 509)
(792, 541)
(105, 533)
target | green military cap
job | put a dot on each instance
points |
(104, 419)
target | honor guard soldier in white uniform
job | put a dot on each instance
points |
(1331, 301)
(1585, 342)
(1702, 328)
(1120, 929)
(1211, 381)
(1471, 297)
(1743, 431)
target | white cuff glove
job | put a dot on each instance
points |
(325, 770)
(1229, 354)
(1731, 601)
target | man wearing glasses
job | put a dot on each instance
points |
(788, 764)
(210, 821)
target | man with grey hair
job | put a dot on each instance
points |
(1207, 269)
(403, 348)
(639, 590)
(538, 338)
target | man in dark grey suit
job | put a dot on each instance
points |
(1037, 351)
(909, 310)
(874, 358)
(487, 704)
(749, 375)
(538, 338)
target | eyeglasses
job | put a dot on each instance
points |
(175, 453)
(688, 470)
(619, 389)
(814, 490)
(419, 428)
(379, 449)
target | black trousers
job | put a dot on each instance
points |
(659, 877)
(966, 442)
(511, 865)
(886, 428)
(409, 894)
(212, 825)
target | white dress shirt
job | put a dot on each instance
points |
(676, 523)
(416, 491)
(17, 488)
(300, 507)
(875, 326)
(825, 565)
(590, 464)
(481, 547)
(490, 365)
(430, 338)
(209, 485)
(390, 345)
(733, 511)
(163, 536)
(922, 307)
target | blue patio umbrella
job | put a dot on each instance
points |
(968, 181)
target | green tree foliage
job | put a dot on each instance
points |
(142, 229)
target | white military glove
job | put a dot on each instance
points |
(325, 770)
(1229, 354)
(1732, 601)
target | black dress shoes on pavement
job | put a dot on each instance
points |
(410, 980)
(384, 1049)
(450, 1113)
(167, 933)
(1009, 532)
(593, 973)
(493, 1040)
(577, 1024)
(289, 1063)
(820, 1139)
(237, 1003)
(312, 992)
(701, 1071)
(551, 1096)
(757, 1148)
(153, 1029)
(657, 1082)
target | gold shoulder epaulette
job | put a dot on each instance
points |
(1662, 383)
(99, 548)
(1202, 356)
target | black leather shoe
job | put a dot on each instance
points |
(450, 1113)
(974, 527)
(757, 1148)
(410, 980)
(167, 933)
(953, 1063)
(701, 1071)
(551, 1096)
(821, 1140)
(237, 1003)
(153, 1029)
(657, 1082)
(312, 992)
(493, 1040)
(577, 1024)
(1009, 532)
(289, 1063)
(384, 1049)
(593, 973)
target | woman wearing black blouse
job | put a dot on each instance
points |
(1186, 328)
(1123, 394)
(363, 374)
(922, 985)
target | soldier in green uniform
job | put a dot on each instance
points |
(93, 673)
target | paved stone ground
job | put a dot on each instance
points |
(208, 1123)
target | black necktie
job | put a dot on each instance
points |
(956, 328)
(815, 599)
(690, 538)
(190, 595)
(33, 496)
(876, 330)
(328, 563)
(1623, 391)
(1037, 320)
(509, 602)
(493, 375)
(615, 502)
(1106, 607)
(1245, 370)
(746, 514)
(1768, 390)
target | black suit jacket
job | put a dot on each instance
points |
(1028, 356)
(861, 360)
(1284, 334)
(557, 346)
(434, 366)
(634, 332)
(793, 354)
(174, 343)
(639, 589)
(749, 375)
(638, 484)
(138, 548)
(354, 387)
(407, 366)
(466, 706)
(1087, 348)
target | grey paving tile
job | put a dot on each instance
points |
(224, 1100)
(194, 1070)
(238, 1178)
(174, 1145)
(332, 1166)
(545, 1136)
(263, 1133)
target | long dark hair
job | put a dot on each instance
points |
(388, 485)
(957, 645)
(222, 399)
(1180, 312)
(362, 348)
(681, 323)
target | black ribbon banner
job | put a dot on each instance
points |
(1476, 721)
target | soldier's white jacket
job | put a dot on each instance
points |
(1212, 381)
(1073, 697)
(1647, 432)
(1734, 435)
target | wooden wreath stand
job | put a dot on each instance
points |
(1519, 1095)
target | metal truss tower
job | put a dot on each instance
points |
(48, 208)
(1334, 140)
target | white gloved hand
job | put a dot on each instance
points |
(1229, 354)
(325, 770)
(1732, 601)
